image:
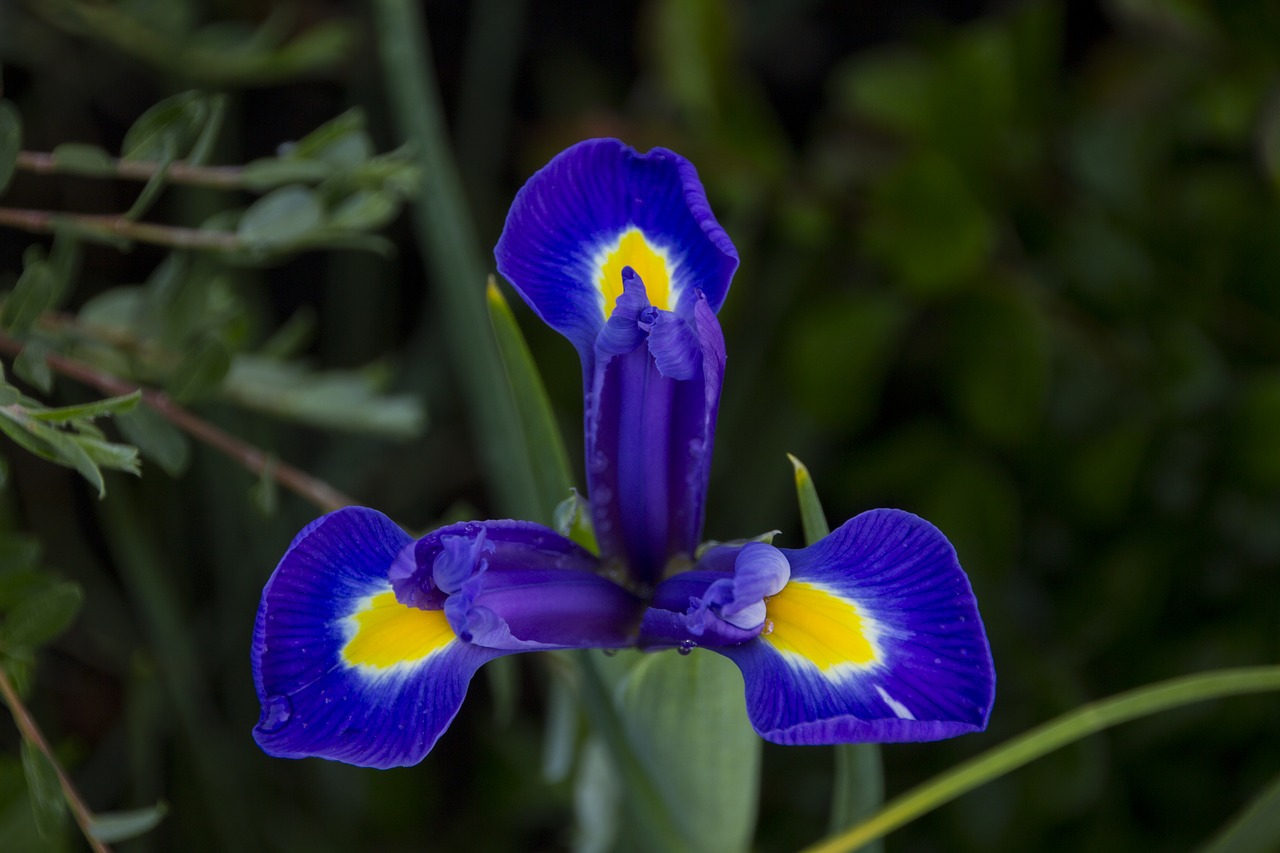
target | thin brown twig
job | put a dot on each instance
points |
(178, 172)
(255, 460)
(117, 226)
(31, 734)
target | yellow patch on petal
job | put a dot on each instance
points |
(818, 626)
(388, 633)
(633, 250)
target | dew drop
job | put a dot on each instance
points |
(276, 714)
(767, 628)
(610, 652)
(686, 646)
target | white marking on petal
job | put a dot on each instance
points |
(903, 712)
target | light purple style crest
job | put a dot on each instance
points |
(345, 669)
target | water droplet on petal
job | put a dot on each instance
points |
(275, 714)
(686, 646)
(767, 628)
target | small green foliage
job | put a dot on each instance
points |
(169, 130)
(45, 791)
(113, 827)
(281, 218)
(68, 437)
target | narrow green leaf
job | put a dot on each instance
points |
(77, 158)
(542, 438)
(331, 141)
(157, 439)
(813, 519)
(169, 129)
(108, 454)
(1063, 730)
(45, 791)
(42, 617)
(10, 141)
(689, 711)
(97, 408)
(339, 399)
(281, 217)
(1256, 829)
(34, 293)
(111, 827)
(32, 365)
(572, 519)
(150, 191)
(365, 210)
(271, 172)
(200, 371)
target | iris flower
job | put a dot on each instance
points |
(366, 639)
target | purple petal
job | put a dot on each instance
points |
(565, 232)
(516, 585)
(517, 609)
(343, 671)
(876, 637)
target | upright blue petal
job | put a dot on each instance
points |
(598, 207)
(875, 635)
(650, 428)
(342, 669)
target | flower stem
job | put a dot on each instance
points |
(1040, 741)
(31, 734)
(252, 458)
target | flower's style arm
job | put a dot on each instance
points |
(366, 640)
(871, 634)
(619, 252)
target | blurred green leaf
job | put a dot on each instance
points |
(112, 827)
(1256, 829)
(45, 791)
(999, 362)
(364, 210)
(201, 371)
(80, 159)
(1103, 475)
(156, 438)
(854, 338)
(10, 141)
(42, 617)
(281, 217)
(272, 172)
(18, 552)
(168, 130)
(342, 141)
(1254, 449)
(32, 295)
(688, 711)
(31, 365)
(340, 399)
(927, 227)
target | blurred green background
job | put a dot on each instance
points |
(1013, 266)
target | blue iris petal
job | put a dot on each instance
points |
(875, 636)
(322, 696)
(580, 204)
